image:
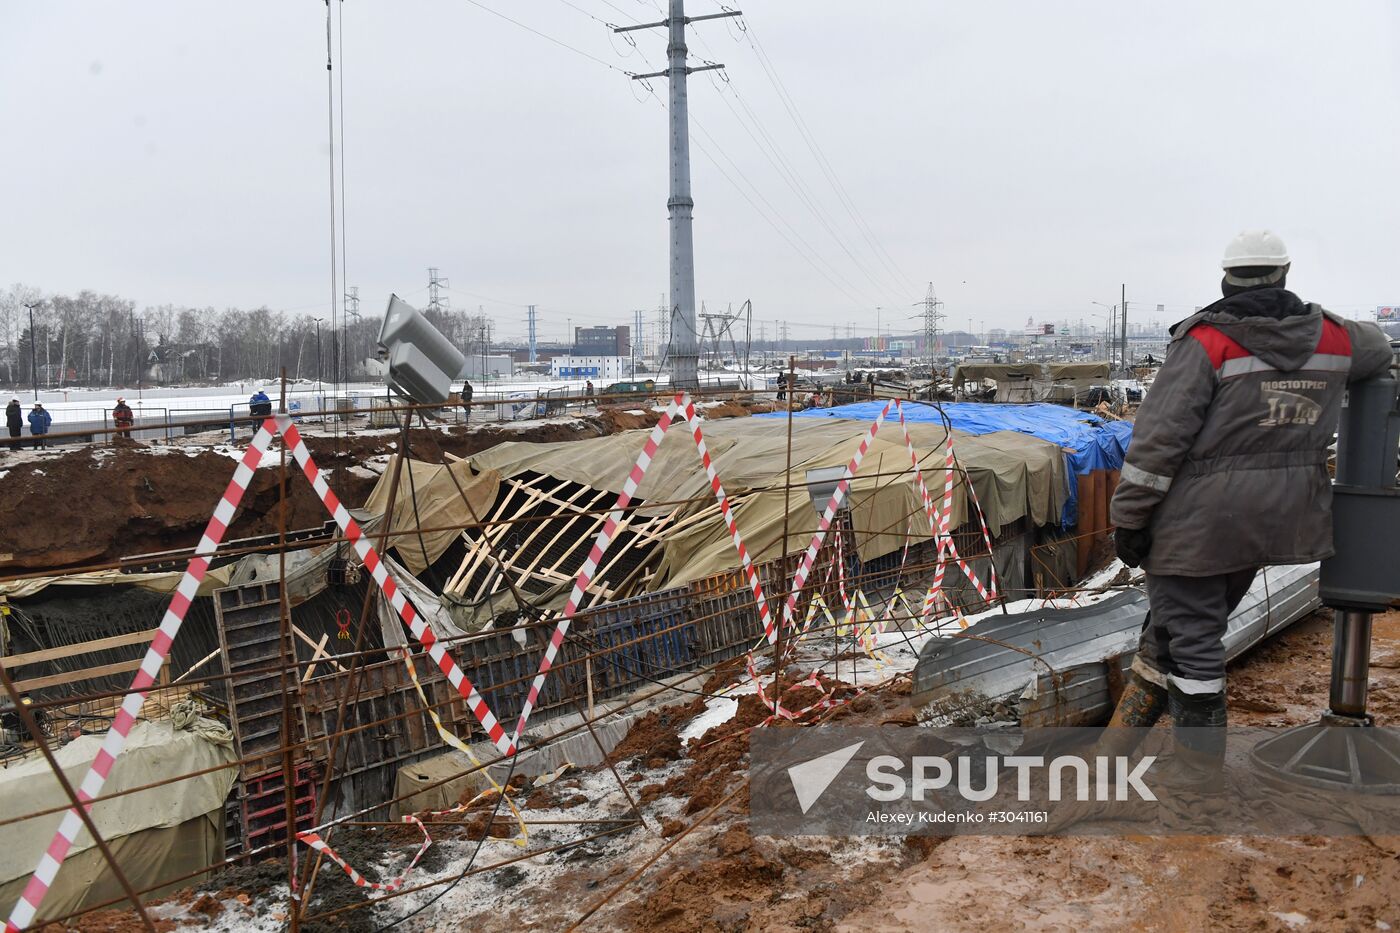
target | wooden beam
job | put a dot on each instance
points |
(58, 680)
(86, 647)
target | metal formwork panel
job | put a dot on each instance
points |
(726, 616)
(641, 639)
(250, 638)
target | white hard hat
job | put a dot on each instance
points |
(1255, 248)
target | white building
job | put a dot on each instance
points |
(597, 368)
(491, 366)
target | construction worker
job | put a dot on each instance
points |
(14, 420)
(467, 392)
(1227, 473)
(259, 404)
(123, 418)
(39, 421)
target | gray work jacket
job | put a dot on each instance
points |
(1228, 462)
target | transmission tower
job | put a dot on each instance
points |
(685, 351)
(717, 326)
(663, 330)
(932, 315)
(436, 283)
(352, 309)
(530, 320)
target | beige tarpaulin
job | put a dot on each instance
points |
(158, 582)
(157, 833)
(1015, 475)
(1071, 372)
(439, 504)
(437, 783)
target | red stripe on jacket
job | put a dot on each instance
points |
(1334, 341)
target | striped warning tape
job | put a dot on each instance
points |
(804, 568)
(939, 521)
(681, 404)
(405, 609)
(315, 841)
(522, 839)
(27, 907)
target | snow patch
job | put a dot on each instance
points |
(718, 710)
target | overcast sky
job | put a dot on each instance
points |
(1025, 157)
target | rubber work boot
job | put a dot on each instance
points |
(1139, 708)
(1198, 734)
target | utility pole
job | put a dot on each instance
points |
(636, 338)
(1123, 298)
(318, 321)
(530, 321)
(684, 349)
(436, 300)
(33, 350)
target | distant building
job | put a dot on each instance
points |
(602, 341)
(605, 368)
(491, 366)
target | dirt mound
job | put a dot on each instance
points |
(656, 736)
(726, 410)
(96, 506)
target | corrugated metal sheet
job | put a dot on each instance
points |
(1062, 666)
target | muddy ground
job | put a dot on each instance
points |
(95, 505)
(717, 878)
(721, 879)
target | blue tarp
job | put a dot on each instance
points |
(1090, 443)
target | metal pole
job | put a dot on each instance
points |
(288, 679)
(1351, 662)
(684, 348)
(1123, 322)
(33, 353)
(782, 554)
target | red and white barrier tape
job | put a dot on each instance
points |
(27, 907)
(681, 403)
(939, 521)
(804, 568)
(315, 841)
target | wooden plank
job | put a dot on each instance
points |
(86, 647)
(58, 680)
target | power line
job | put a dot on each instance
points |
(790, 105)
(549, 38)
(344, 263)
(762, 213)
(789, 175)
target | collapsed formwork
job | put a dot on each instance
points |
(527, 538)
